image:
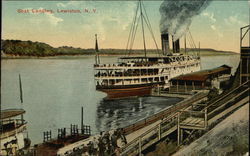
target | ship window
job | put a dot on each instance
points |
(144, 80)
(166, 60)
(162, 78)
(189, 83)
(153, 59)
(8, 126)
(174, 82)
(181, 83)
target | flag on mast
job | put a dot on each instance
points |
(96, 44)
(97, 50)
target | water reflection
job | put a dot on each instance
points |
(112, 114)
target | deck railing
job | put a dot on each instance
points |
(145, 66)
(151, 136)
(12, 132)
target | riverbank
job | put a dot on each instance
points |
(7, 56)
(14, 49)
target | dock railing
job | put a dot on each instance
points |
(151, 136)
(170, 110)
(227, 100)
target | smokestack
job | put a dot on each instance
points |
(176, 45)
(165, 43)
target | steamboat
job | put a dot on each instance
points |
(137, 76)
(13, 129)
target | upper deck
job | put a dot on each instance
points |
(9, 113)
(149, 62)
(12, 122)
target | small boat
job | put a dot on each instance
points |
(136, 76)
(13, 130)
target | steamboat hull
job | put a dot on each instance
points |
(127, 92)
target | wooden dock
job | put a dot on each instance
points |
(189, 118)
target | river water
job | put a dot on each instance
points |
(55, 89)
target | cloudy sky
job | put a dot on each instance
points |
(216, 27)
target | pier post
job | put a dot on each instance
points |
(181, 137)
(170, 87)
(140, 148)
(178, 129)
(177, 86)
(158, 89)
(22, 120)
(159, 132)
(205, 121)
(185, 86)
(82, 130)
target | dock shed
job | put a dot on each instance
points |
(204, 79)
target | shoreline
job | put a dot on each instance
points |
(88, 55)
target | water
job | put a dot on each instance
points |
(54, 90)
(123, 112)
(208, 62)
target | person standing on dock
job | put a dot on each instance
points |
(91, 148)
(123, 138)
(114, 139)
(100, 147)
(95, 145)
(106, 142)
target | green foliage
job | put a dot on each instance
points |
(26, 48)
(29, 48)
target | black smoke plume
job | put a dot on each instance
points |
(176, 15)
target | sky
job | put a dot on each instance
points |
(217, 27)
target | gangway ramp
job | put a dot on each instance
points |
(201, 120)
(189, 119)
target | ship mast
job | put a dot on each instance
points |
(143, 35)
(140, 15)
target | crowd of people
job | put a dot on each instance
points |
(106, 143)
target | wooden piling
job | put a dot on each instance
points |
(21, 90)
(82, 130)
(178, 129)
